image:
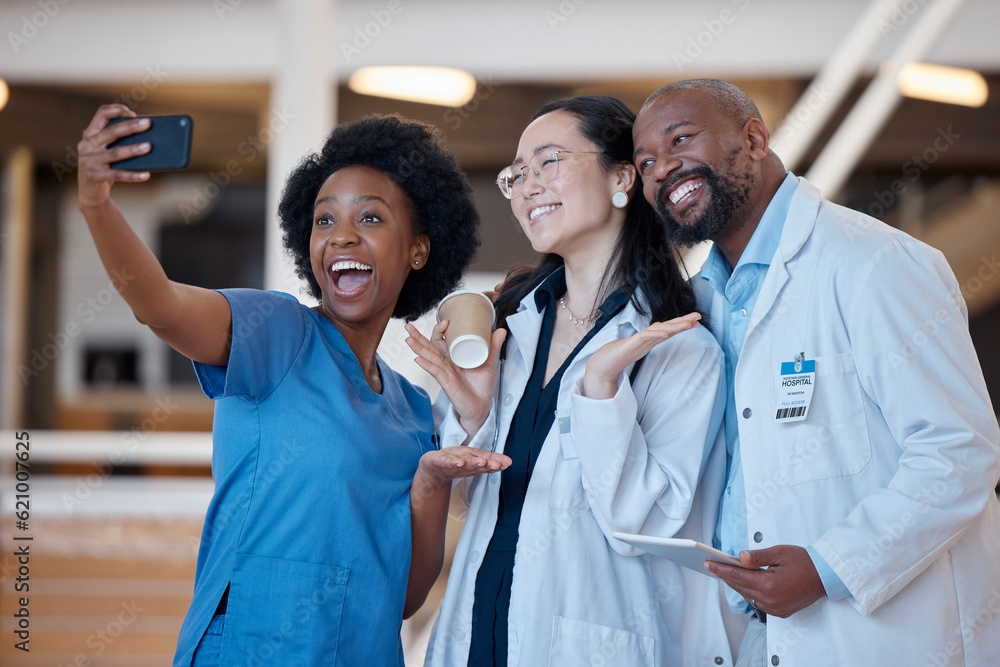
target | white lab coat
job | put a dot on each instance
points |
(631, 464)
(891, 477)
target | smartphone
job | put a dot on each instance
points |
(170, 137)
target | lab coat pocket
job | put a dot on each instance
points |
(833, 439)
(581, 643)
(283, 612)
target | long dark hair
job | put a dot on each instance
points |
(643, 259)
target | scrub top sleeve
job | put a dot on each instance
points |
(268, 332)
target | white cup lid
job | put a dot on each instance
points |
(469, 351)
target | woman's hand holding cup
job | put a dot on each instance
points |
(470, 390)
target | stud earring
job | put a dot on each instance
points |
(619, 199)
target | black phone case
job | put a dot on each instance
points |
(170, 137)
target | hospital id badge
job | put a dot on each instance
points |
(795, 389)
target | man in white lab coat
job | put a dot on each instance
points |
(862, 444)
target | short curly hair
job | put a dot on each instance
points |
(409, 153)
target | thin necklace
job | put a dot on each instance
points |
(580, 321)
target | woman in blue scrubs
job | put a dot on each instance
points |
(306, 556)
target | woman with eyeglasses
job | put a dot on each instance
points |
(599, 444)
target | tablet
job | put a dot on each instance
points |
(684, 552)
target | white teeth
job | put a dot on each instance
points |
(542, 209)
(344, 266)
(679, 193)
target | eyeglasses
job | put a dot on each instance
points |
(544, 165)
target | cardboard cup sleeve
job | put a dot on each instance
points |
(470, 318)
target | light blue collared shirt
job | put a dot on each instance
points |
(739, 288)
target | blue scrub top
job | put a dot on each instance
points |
(310, 522)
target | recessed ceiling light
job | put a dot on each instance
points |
(431, 85)
(952, 85)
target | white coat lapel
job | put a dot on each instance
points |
(802, 213)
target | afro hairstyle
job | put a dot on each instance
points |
(409, 153)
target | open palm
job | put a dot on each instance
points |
(603, 368)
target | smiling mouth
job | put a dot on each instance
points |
(350, 277)
(685, 191)
(541, 210)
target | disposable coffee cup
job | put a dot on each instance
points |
(470, 318)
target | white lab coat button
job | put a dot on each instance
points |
(774, 660)
(507, 400)
(747, 412)
(757, 537)
(719, 660)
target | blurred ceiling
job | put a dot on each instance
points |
(217, 61)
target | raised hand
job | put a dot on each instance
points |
(194, 321)
(470, 390)
(600, 379)
(95, 175)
